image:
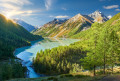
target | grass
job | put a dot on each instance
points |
(81, 78)
(65, 77)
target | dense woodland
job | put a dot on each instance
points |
(99, 48)
(58, 60)
(12, 69)
(12, 36)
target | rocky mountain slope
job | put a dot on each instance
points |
(72, 26)
(112, 24)
(27, 26)
(55, 22)
(98, 16)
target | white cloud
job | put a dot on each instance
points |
(110, 16)
(60, 16)
(117, 10)
(8, 6)
(18, 2)
(111, 7)
(11, 8)
(48, 4)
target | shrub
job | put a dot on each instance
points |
(81, 76)
(52, 78)
(66, 75)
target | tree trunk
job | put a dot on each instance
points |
(104, 64)
(112, 69)
(112, 61)
(94, 70)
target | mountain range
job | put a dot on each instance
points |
(27, 26)
(72, 26)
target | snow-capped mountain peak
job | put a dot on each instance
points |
(98, 16)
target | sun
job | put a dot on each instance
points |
(8, 16)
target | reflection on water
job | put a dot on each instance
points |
(27, 53)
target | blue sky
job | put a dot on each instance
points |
(39, 12)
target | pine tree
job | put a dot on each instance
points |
(92, 60)
(103, 47)
(113, 51)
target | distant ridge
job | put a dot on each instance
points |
(27, 26)
(55, 22)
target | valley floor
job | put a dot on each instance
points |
(74, 78)
(111, 78)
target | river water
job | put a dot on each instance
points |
(27, 53)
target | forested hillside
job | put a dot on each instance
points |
(12, 36)
(99, 47)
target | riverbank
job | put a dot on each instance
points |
(22, 61)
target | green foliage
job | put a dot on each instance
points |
(66, 75)
(105, 52)
(85, 35)
(11, 69)
(81, 76)
(52, 78)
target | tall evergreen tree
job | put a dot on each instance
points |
(92, 60)
(113, 50)
(103, 47)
